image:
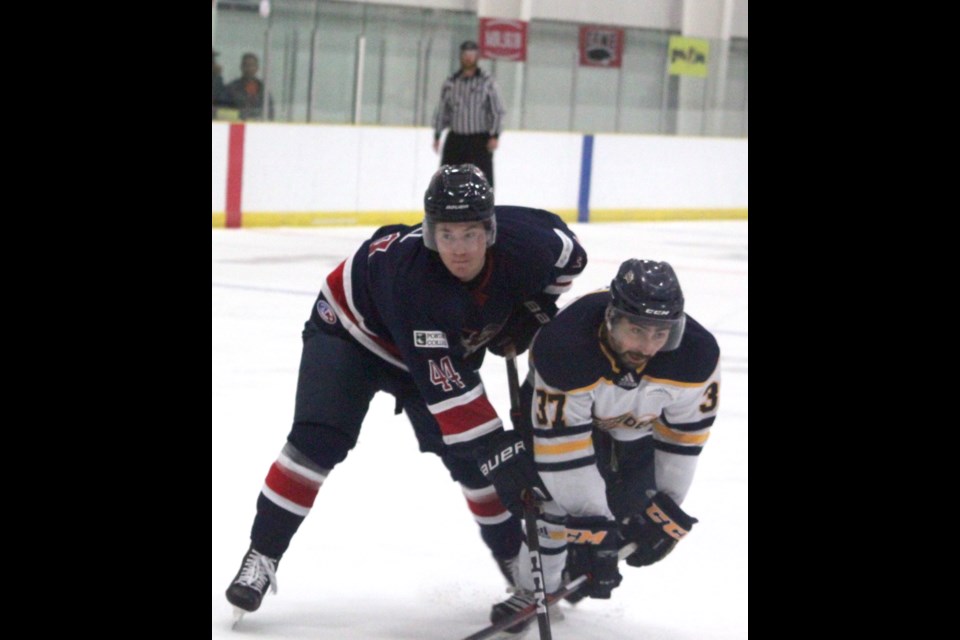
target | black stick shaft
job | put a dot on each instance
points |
(530, 509)
(530, 513)
(513, 380)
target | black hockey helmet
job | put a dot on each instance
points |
(458, 193)
(648, 292)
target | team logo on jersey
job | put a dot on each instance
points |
(430, 339)
(473, 340)
(625, 421)
(325, 312)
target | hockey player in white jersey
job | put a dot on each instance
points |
(622, 391)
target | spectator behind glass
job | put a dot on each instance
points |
(246, 92)
(220, 98)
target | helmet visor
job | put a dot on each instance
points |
(672, 326)
(430, 230)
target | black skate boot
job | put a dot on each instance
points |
(509, 569)
(578, 563)
(507, 608)
(576, 596)
(256, 574)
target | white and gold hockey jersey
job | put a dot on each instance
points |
(579, 384)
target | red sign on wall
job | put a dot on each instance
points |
(601, 47)
(503, 39)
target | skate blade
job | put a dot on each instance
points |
(506, 635)
(237, 617)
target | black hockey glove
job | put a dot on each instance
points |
(508, 465)
(578, 564)
(656, 531)
(592, 545)
(522, 324)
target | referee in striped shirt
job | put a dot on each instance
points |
(470, 106)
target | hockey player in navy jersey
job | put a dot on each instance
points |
(412, 313)
(622, 391)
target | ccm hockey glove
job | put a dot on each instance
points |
(592, 545)
(509, 467)
(656, 530)
(521, 326)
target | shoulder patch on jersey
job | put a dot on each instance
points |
(430, 339)
(325, 312)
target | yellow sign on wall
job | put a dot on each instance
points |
(688, 56)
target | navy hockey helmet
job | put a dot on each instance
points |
(458, 193)
(648, 292)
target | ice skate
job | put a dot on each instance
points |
(257, 573)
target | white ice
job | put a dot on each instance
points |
(390, 549)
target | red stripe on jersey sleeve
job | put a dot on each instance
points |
(489, 508)
(457, 420)
(335, 282)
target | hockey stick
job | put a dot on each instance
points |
(531, 509)
(530, 610)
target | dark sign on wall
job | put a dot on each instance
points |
(601, 46)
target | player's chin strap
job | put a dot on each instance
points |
(531, 505)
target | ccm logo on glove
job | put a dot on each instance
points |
(500, 457)
(536, 312)
(671, 528)
(585, 536)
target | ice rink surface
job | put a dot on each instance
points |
(390, 550)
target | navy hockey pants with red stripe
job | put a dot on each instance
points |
(338, 378)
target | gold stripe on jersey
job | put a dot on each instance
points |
(673, 383)
(679, 437)
(557, 534)
(589, 387)
(611, 383)
(663, 381)
(566, 449)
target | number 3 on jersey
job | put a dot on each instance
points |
(444, 375)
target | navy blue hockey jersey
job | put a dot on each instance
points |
(397, 299)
